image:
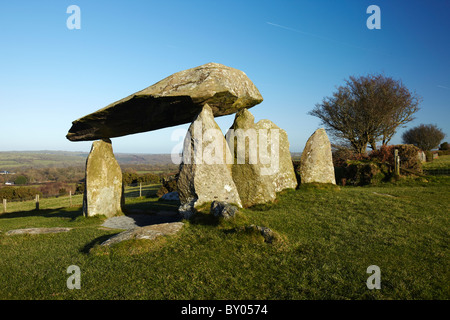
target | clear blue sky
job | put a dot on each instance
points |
(296, 53)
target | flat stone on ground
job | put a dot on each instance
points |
(132, 221)
(37, 231)
(149, 233)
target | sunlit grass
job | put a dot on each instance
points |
(328, 238)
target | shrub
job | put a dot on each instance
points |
(20, 193)
(62, 192)
(129, 178)
(354, 169)
(366, 172)
(169, 184)
(148, 178)
(21, 180)
(342, 154)
(409, 159)
(384, 154)
(80, 188)
(55, 189)
(443, 152)
(429, 156)
(426, 137)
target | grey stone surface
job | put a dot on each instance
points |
(187, 210)
(283, 176)
(37, 231)
(223, 209)
(174, 100)
(149, 233)
(316, 163)
(103, 192)
(141, 220)
(171, 196)
(268, 235)
(254, 187)
(200, 180)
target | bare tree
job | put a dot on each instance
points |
(367, 110)
(426, 137)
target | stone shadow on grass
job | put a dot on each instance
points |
(97, 241)
(46, 213)
(151, 207)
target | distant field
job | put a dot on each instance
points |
(40, 159)
(12, 160)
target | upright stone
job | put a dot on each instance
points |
(283, 176)
(205, 175)
(103, 194)
(316, 163)
(252, 178)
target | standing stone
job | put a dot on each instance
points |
(283, 177)
(103, 193)
(205, 175)
(316, 163)
(253, 184)
(421, 156)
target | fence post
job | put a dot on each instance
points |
(4, 205)
(37, 202)
(140, 190)
(70, 198)
(396, 162)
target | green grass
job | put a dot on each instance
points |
(131, 193)
(328, 238)
(149, 171)
(443, 162)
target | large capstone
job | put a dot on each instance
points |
(316, 163)
(172, 101)
(103, 193)
(204, 174)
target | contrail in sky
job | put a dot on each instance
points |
(316, 36)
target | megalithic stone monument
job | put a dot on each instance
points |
(316, 162)
(212, 90)
(103, 194)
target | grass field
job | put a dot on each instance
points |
(438, 166)
(327, 239)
